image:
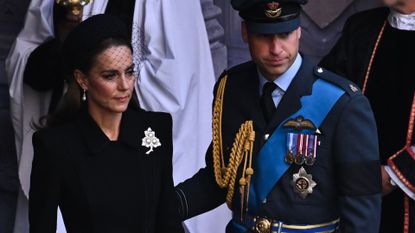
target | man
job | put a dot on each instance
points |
(294, 146)
(376, 52)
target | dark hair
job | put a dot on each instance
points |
(86, 60)
(80, 50)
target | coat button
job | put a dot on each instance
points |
(266, 136)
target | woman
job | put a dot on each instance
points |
(106, 164)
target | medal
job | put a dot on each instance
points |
(311, 151)
(301, 145)
(289, 157)
(299, 159)
(303, 183)
(310, 160)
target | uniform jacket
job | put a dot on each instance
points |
(390, 90)
(346, 170)
(102, 185)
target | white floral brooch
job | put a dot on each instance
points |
(150, 140)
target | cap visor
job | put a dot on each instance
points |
(273, 28)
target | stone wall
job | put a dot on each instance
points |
(322, 22)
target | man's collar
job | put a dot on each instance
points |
(284, 80)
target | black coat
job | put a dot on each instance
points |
(102, 185)
(347, 152)
(390, 89)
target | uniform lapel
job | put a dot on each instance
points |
(290, 102)
(249, 94)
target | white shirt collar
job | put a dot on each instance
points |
(402, 21)
(284, 80)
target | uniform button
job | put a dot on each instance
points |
(319, 70)
(266, 136)
(264, 201)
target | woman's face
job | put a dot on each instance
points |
(110, 81)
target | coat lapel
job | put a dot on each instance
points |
(95, 140)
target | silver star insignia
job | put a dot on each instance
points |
(303, 183)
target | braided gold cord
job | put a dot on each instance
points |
(225, 175)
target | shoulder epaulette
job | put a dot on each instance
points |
(345, 84)
(223, 74)
(241, 68)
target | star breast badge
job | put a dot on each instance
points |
(303, 183)
(150, 140)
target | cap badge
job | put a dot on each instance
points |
(303, 183)
(272, 10)
(150, 140)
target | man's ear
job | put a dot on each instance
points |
(81, 79)
(299, 32)
(244, 32)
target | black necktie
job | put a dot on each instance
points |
(267, 104)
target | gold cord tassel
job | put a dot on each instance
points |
(242, 147)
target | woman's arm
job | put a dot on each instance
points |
(44, 187)
(168, 207)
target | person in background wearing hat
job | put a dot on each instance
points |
(106, 163)
(294, 146)
(43, 71)
(376, 52)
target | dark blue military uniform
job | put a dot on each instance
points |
(310, 165)
(346, 169)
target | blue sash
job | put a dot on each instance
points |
(270, 165)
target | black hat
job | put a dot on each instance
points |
(269, 16)
(84, 38)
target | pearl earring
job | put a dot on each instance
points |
(84, 95)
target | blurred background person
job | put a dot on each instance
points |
(376, 52)
(11, 21)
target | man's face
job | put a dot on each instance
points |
(273, 53)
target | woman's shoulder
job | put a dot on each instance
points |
(63, 131)
(150, 116)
